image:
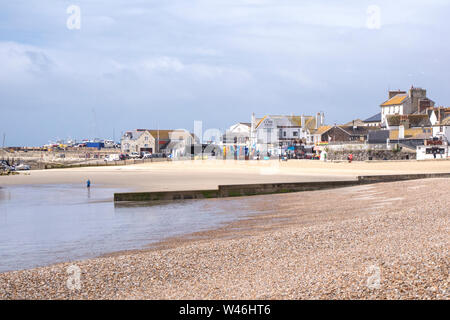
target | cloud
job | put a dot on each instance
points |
(137, 62)
(20, 62)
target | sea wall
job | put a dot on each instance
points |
(364, 155)
(265, 188)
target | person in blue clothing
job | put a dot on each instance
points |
(88, 183)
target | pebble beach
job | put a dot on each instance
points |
(381, 241)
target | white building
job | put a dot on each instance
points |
(440, 120)
(429, 152)
(238, 134)
(403, 103)
(273, 134)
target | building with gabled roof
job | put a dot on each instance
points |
(411, 133)
(373, 121)
(344, 133)
(154, 141)
(356, 122)
(275, 133)
(237, 135)
(440, 120)
(409, 121)
(403, 103)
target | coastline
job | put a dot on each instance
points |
(258, 257)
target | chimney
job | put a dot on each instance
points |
(416, 94)
(404, 121)
(317, 119)
(401, 132)
(393, 93)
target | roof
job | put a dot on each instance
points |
(377, 136)
(415, 120)
(294, 121)
(440, 113)
(414, 133)
(356, 122)
(446, 122)
(162, 134)
(134, 134)
(374, 118)
(357, 130)
(322, 129)
(395, 100)
(310, 123)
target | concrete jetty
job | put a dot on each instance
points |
(238, 190)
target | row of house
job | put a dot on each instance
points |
(173, 142)
(407, 118)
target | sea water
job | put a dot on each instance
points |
(46, 224)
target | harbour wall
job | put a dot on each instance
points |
(238, 190)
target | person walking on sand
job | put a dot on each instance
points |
(88, 183)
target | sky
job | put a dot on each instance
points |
(164, 64)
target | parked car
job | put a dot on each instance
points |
(135, 155)
(22, 166)
(147, 156)
(158, 155)
(112, 157)
(5, 166)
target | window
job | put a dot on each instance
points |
(284, 133)
(295, 134)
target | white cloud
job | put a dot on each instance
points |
(20, 62)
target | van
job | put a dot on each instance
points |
(112, 157)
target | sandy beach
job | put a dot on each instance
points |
(381, 241)
(190, 175)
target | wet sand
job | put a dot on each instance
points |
(381, 241)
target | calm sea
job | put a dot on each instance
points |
(45, 224)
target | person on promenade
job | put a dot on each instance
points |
(350, 158)
(88, 183)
